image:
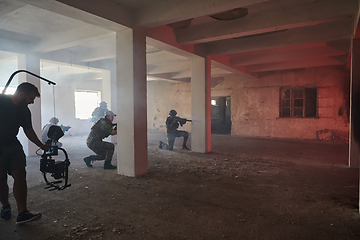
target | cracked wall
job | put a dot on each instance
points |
(255, 104)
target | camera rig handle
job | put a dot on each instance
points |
(16, 72)
(58, 170)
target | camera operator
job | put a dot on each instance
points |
(104, 150)
(14, 113)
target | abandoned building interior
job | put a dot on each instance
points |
(276, 69)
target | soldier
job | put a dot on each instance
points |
(99, 112)
(104, 150)
(172, 123)
(53, 121)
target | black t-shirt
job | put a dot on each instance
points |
(12, 117)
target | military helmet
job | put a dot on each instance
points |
(54, 120)
(102, 103)
(172, 112)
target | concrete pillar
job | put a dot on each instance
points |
(106, 96)
(106, 88)
(132, 153)
(354, 93)
(201, 104)
(31, 63)
(354, 107)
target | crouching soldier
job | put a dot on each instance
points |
(172, 124)
(104, 150)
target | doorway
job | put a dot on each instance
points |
(221, 115)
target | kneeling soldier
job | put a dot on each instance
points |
(172, 124)
(104, 150)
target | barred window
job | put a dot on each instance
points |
(298, 102)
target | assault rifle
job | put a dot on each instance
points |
(64, 128)
(182, 121)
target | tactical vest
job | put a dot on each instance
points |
(101, 129)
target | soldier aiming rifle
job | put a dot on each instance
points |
(172, 124)
(52, 122)
(103, 150)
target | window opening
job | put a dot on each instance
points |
(85, 103)
(298, 102)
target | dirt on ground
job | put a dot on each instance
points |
(246, 188)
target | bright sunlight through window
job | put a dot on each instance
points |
(85, 103)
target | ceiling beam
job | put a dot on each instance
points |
(320, 33)
(72, 38)
(181, 75)
(171, 11)
(162, 56)
(295, 64)
(85, 68)
(11, 45)
(96, 54)
(307, 15)
(222, 61)
(8, 57)
(215, 72)
(280, 55)
(102, 13)
(342, 59)
(171, 67)
(8, 6)
(160, 76)
(163, 38)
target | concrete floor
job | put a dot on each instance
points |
(246, 188)
(310, 151)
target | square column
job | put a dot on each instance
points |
(132, 156)
(31, 63)
(106, 96)
(354, 106)
(106, 88)
(201, 104)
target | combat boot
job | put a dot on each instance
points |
(107, 165)
(87, 161)
(184, 147)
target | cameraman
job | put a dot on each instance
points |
(14, 113)
(104, 150)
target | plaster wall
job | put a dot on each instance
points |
(65, 103)
(255, 104)
(163, 96)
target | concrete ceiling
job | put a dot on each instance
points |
(275, 35)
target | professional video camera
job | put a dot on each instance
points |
(57, 169)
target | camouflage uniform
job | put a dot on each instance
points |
(172, 123)
(100, 130)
